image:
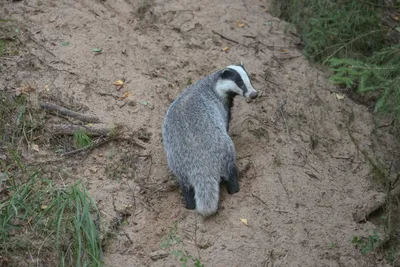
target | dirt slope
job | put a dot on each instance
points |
(302, 176)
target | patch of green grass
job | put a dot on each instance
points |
(368, 244)
(81, 139)
(174, 240)
(277, 161)
(41, 223)
(2, 45)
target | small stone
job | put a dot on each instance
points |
(53, 19)
(159, 254)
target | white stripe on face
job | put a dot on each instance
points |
(224, 86)
(245, 78)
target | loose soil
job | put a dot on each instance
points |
(301, 149)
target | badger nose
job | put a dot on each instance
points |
(253, 95)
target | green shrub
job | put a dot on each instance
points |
(351, 36)
(379, 72)
(342, 27)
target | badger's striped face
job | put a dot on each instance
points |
(235, 80)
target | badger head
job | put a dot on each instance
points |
(234, 81)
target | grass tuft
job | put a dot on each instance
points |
(43, 223)
(174, 240)
(81, 139)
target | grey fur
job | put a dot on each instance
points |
(199, 150)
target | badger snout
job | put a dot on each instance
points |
(253, 95)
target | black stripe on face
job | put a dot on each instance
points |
(233, 75)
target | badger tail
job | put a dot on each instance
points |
(207, 196)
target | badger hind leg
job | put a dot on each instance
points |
(231, 179)
(188, 194)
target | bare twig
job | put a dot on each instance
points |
(262, 201)
(39, 44)
(281, 211)
(151, 165)
(250, 36)
(40, 248)
(109, 94)
(243, 157)
(96, 143)
(283, 115)
(312, 175)
(284, 187)
(66, 112)
(277, 85)
(228, 39)
(284, 258)
(269, 46)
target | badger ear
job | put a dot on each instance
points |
(241, 64)
(227, 73)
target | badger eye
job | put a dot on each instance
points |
(239, 83)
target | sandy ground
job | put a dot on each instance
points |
(302, 175)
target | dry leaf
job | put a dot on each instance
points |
(93, 169)
(90, 124)
(340, 97)
(24, 89)
(265, 9)
(244, 221)
(35, 147)
(396, 18)
(126, 94)
(118, 83)
(284, 50)
(239, 24)
(43, 207)
(225, 49)
(46, 87)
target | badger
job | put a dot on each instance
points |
(199, 151)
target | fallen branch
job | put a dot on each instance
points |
(70, 129)
(66, 112)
